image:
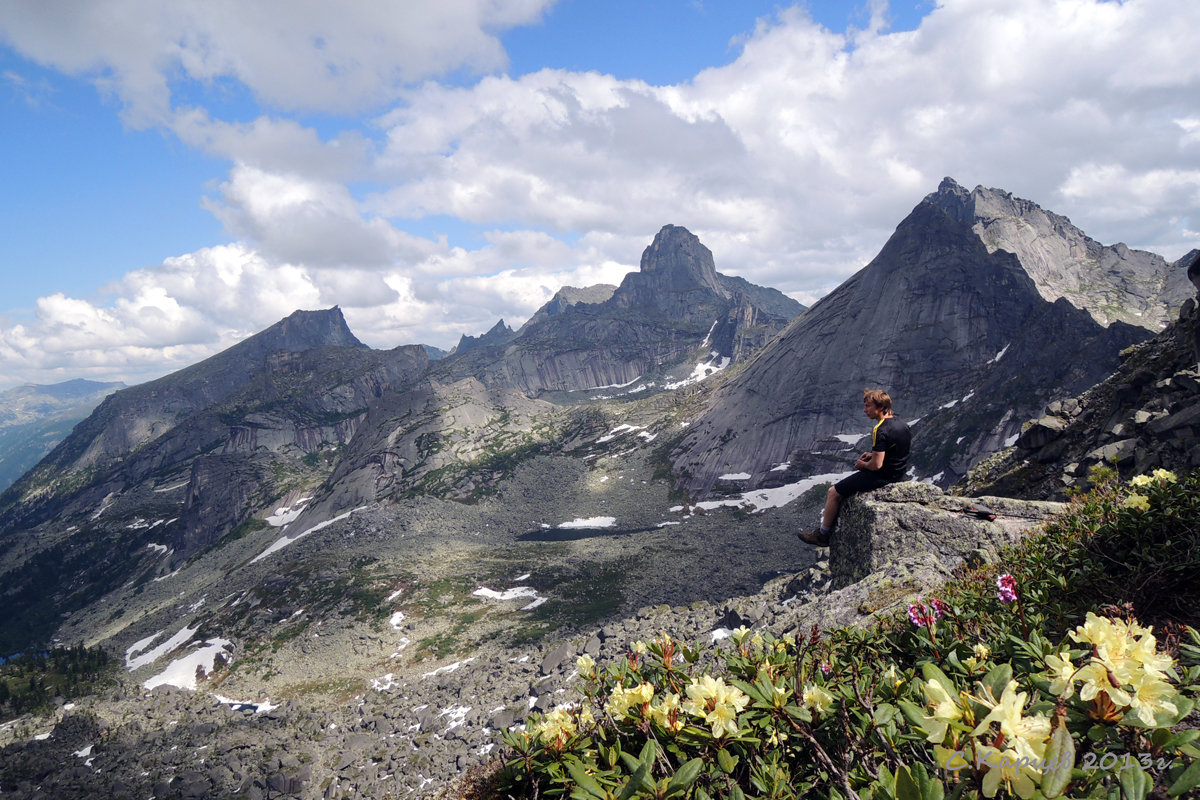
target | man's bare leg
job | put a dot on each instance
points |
(833, 504)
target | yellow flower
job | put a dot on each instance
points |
(1164, 475)
(1062, 672)
(1141, 481)
(1027, 735)
(1097, 678)
(944, 710)
(1010, 768)
(1152, 695)
(662, 713)
(1138, 501)
(981, 651)
(739, 633)
(585, 665)
(622, 699)
(817, 699)
(555, 728)
(717, 702)
(892, 676)
(640, 648)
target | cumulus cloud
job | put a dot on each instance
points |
(458, 205)
(303, 55)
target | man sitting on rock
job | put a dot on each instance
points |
(890, 442)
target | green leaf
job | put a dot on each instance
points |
(1189, 780)
(586, 782)
(933, 673)
(1180, 739)
(1135, 783)
(726, 761)
(649, 752)
(906, 787)
(884, 713)
(912, 712)
(685, 776)
(636, 780)
(1059, 760)
(736, 793)
(997, 678)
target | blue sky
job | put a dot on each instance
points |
(179, 176)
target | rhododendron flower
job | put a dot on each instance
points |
(1008, 588)
(1062, 672)
(817, 699)
(1137, 501)
(1165, 475)
(1027, 735)
(1150, 696)
(717, 702)
(943, 709)
(1141, 481)
(555, 728)
(666, 713)
(586, 666)
(622, 699)
(1011, 769)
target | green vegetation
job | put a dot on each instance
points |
(1033, 678)
(30, 683)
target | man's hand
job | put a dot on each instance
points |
(870, 461)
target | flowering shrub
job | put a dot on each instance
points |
(1009, 684)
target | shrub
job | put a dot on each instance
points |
(1007, 684)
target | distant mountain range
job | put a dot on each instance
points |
(34, 418)
(981, 309)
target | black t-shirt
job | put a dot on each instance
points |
(892, 438)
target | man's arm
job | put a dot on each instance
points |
(872, 461)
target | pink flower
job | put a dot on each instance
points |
(826, 667)
(1008, 588)
(939, 608)
(920, 615)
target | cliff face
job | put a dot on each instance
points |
(296, 389)
(1112, 283)
(957, 333)
(675, 308)
(1146, 415)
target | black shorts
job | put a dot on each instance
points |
(862, 480)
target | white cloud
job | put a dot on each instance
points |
(460, 205)
(304, 54)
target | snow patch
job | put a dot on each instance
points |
(589, 522)
(284, 541)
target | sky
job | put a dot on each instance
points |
(178, 176)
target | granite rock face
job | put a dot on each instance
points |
(919, 526)
(956, 332)
(1146, 415)
(676, 310)
(1109, 282)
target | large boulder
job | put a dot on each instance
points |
(917, 528)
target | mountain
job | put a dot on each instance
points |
(956, 330)
(34, 418)
(675, 312)
(1112, 283)
(183, 460)
(389, 557)
(1143, 417)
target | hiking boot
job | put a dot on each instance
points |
(814, 537)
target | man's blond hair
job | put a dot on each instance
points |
(881, 399)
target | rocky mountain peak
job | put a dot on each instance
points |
(677, 261)
(1111, 282)
(302, 330)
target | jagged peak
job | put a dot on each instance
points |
(302, 330)
(679, 256)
